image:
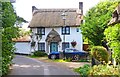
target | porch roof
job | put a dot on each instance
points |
(53, 36)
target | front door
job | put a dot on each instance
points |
(54, 46)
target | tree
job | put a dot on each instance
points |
(23, 32)
(96, 20)
(8, 32)
(20, 20)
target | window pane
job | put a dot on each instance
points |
(43, 30)
(67, 30)
(63, 30)
(38, 30)
(65, 45)
(77, 29)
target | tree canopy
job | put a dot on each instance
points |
(8, 32)
(96, 20)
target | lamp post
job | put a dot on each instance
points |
(64, 19)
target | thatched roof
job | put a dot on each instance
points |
(53, 36)
(53, 18)
(115, 16)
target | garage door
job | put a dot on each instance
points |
(22, 47)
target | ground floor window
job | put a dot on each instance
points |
(65, 45)
(41, 46)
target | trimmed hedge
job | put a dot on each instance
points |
(100, 53)
(39, 54)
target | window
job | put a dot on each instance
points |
(65, 45)
(41, 46)
(77, 29)
(66, 30)
(41, 30)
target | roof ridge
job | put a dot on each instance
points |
(58, 10)
(55, 10)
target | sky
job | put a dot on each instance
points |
(24, 7)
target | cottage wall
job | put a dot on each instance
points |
(74, 35)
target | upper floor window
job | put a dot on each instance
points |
(41, 30)
(66, 30)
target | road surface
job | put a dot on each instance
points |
(27, 66)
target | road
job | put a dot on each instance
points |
(29, 66)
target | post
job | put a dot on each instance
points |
(64, 18)
(64, 41)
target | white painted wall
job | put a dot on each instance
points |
(22, 47)
(74, 35)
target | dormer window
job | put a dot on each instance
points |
(41, 30)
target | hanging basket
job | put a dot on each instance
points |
(73, 43)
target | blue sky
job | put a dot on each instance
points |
(24, 7)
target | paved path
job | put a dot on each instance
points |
(28, 66)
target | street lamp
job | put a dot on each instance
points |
(64, 18)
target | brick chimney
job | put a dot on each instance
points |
(81, 7)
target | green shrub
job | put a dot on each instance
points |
(104, 70)
(84, 71)
(112, 34)
(100, 54)
(39, 54)
(8, 31)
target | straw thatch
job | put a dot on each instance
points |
(53, 18)
(115, 16)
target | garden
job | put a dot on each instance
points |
(104, 41)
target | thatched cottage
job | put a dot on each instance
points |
(52, 32)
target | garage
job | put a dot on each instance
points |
(22, 45)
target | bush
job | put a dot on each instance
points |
(100, 54)
(8, 31)
(104, 70)
(84, 71)
(39, 54)
(112, 34)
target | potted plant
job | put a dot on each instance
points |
(73, 43)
